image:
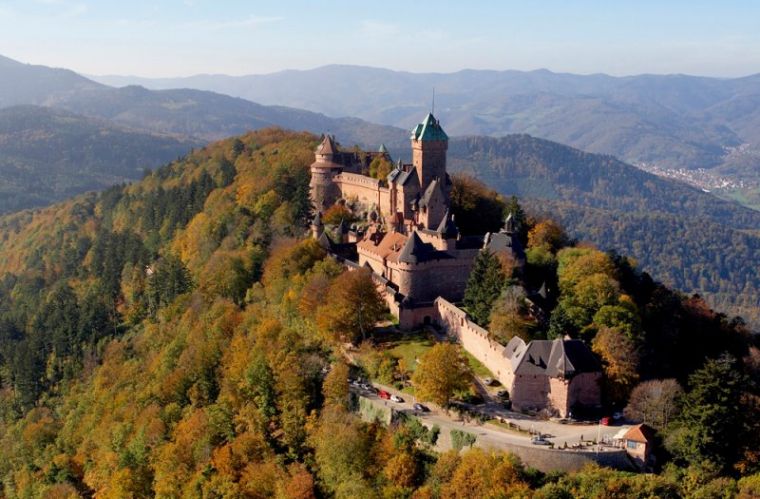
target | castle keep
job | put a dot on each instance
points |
(421, 263)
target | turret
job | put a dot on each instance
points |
(323, 191)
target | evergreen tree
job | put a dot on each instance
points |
(484, 286)
(711, 426)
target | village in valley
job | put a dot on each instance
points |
(540, 399)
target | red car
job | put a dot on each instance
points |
(605, 421)
(383, 394)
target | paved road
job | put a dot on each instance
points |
(493, 435)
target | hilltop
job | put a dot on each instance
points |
(657, 121)
(174, 337)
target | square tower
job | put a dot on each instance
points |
(429, 145)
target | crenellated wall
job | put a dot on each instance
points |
(475, 340)
(366, 190)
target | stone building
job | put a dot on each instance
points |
(639, 444)
(559, 376)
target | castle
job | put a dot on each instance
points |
(411, 241)
(421, 263)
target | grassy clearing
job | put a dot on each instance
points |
(478, 369)
(411, 348)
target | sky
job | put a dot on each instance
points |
(184, 37)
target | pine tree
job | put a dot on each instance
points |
(484, 286)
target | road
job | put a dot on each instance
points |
(490, 434)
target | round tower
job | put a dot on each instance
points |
(322, 189)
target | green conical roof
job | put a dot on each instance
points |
(429, 129)
(383, 149)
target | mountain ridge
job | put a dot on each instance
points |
(708, 126)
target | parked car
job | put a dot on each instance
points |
(539, 440)
(504, 394)
(383, 394)
(605, 421)
(488, 381)
(396, 398)
(617, 416)
(421, 408)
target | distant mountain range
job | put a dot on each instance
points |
(194, 114)
(709, 127)
(683, 236)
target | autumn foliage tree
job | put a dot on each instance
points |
(352, 307)
(442, 372)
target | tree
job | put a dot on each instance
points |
(482, 474)
(344, 460)
(352, 308)
(461, 439)
(508, 315)
(335, 386)
(380, 167)
(484, 286)
(654, 402)
(519, 218)
(478, 209)
(442, 372)
(620, 359)
(548, 234)
(712, 424)
(337, 213)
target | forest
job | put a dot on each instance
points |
(687, 238)
(180, 337)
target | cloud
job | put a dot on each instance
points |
(249, 22)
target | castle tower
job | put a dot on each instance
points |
(322, 189)
(429, 145)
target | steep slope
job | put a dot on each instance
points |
(47, 155)
(684, 237)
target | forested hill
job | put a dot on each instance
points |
(179, 337)
(48, 155)
(685, 237)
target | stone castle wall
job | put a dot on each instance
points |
(366, 190)
(475, 340)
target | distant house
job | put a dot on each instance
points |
(638, 442)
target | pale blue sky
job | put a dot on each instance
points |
(183, 37)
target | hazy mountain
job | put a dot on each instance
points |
(49, 154)
(672, 121)
(189, 113)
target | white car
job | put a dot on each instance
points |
(396, 398)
